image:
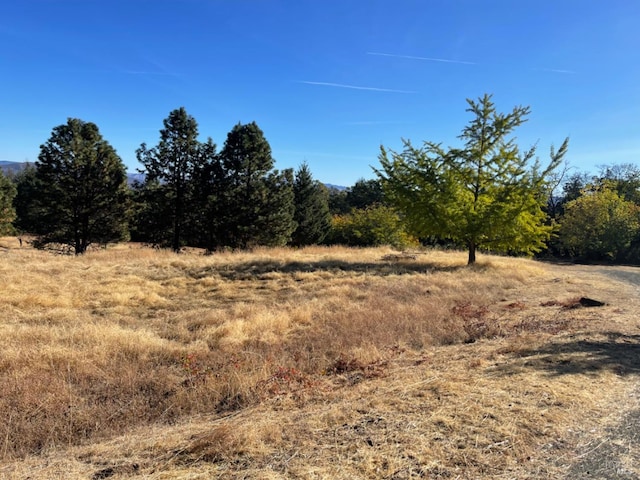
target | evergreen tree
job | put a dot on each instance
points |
(254, 203)
(151, 216)
(279, 208)
(484, 194)
(208, 184)
(7, 211)
(338, 204)
(170, 168)
(81, 188)
(365, 193)
(361, 195)
(26, 190)
(311, 209)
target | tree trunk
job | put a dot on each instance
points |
(177, 221)
(77, 244)
(176, 238)
(472, 253)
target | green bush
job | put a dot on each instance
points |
(372, 226)
(599, 225)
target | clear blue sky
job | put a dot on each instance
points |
(327, 81)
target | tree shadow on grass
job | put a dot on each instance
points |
(259, 268)
(616, 352)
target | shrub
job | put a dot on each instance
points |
(372, 226)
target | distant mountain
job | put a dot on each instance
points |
(135, 177)
(11, 168)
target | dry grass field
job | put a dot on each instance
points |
(310, 364)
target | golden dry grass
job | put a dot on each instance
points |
(312, 363)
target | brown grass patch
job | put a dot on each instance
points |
(319, 362)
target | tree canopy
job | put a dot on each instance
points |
(312, 216)
(26, 190)
(7, 211)
(170, 167)
(81, 190)
(365, 193)
(599, 225)
(486, 194)
(254, 202)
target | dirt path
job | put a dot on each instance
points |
(614, 457)
(614, 454)
(629, 275)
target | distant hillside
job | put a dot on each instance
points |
(11, 168)
(135, 177)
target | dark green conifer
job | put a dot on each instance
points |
(170, 168)
(7, 211)
(81, 188)
(253, 201)
(311, 209)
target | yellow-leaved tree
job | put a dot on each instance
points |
(485, 194)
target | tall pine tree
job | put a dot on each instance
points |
(170, 168)
(208, 182)
(253, 201)
(81, 188)
(311, 209)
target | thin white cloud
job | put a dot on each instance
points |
(556, 70)
(356, 87)
(305, 154)
(142, 72)
(429, 59)
(373, 122)
(445, 60)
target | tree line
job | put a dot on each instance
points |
(77, 193)
(487, 195)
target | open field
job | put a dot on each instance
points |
(313, 363)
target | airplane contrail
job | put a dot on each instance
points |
(429, 59)
(356, 87)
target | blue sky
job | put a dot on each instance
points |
(327, 81)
